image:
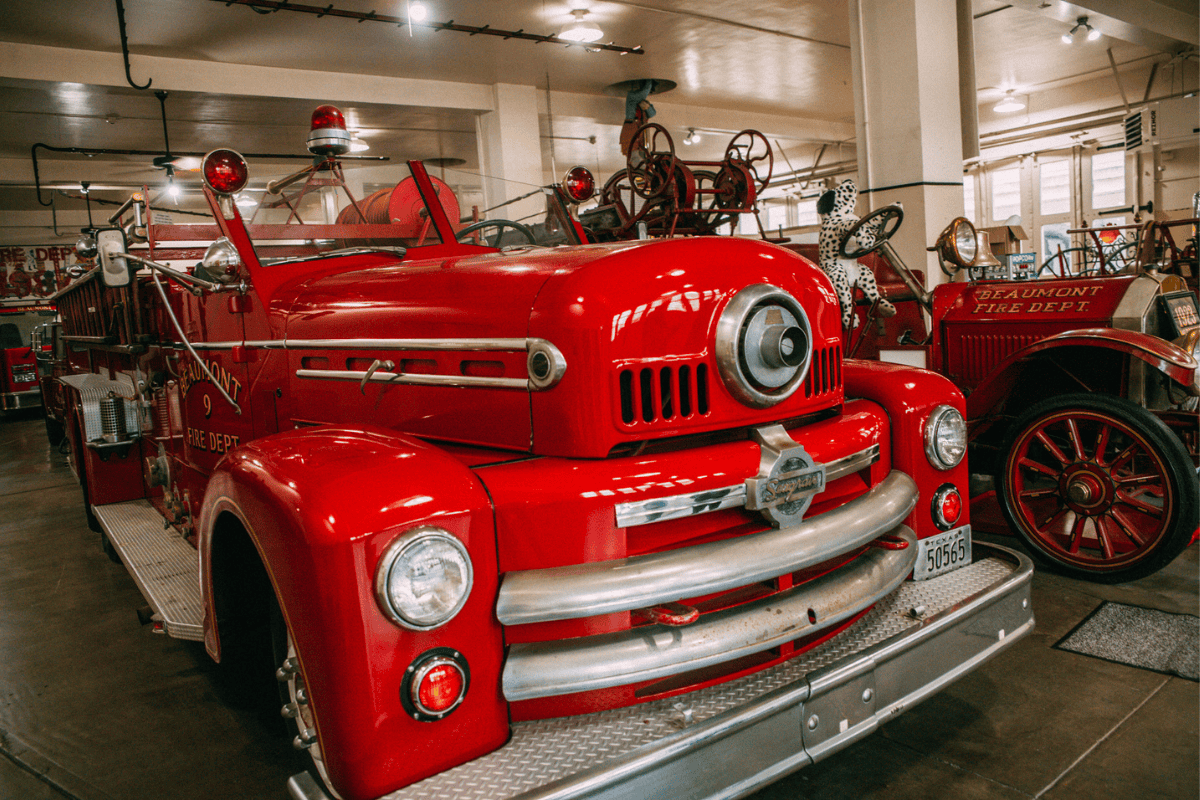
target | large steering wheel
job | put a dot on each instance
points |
(752, 150)
(876, 227)
(501, 224)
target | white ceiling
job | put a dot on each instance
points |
(782, 65)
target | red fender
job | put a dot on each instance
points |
(321, 505)
(909, 395)
(1174, 362)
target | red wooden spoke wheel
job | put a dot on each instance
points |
(1098, 487)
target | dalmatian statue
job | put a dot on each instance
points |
(836, 207)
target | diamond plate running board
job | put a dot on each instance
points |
(165, 567)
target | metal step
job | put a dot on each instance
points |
(165, 567)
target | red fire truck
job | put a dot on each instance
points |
(1081, 391)
(18, 367)
(523, 520)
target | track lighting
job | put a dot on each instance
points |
(1082, 22)
(1009, 103)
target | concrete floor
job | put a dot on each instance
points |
(94, 706)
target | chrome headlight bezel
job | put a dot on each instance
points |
(746, 369)
(394, 555)
(945, 437)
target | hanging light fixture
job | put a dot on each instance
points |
(581, 30)
(1009, 103)
(1081, 22)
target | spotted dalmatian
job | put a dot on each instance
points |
(836, 207)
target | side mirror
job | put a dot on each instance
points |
(110, 244)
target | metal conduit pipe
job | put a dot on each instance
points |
(967, 95)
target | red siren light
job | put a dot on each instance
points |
(224, 171)
(579, 184)
(328, 135)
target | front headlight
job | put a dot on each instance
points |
(945, 437)
(763, 345)
(423, 578)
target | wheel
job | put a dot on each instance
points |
(1098, 487)
(876, 228)
(651, 169)
(752, 150)
(500, 224)
(294, 695)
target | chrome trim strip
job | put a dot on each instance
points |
(378, 376)
(603, 587)
(643, 512)
(377, 344)
(546, 669)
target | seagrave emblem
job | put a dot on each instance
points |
(787, 478)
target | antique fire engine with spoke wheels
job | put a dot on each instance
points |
(535, 521)
(1098, 485)
(658, 194)
(1082, 393)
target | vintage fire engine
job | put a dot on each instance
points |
(607, 520)
(1081, 392)
(18, 367)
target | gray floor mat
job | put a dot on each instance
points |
(1139, 637)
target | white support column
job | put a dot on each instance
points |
(510, 152)
(904, 57)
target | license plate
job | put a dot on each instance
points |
(942, 553)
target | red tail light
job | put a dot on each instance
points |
(579, 184)
(947, 506)
(224, 171)
(328, 135)
(435, 684)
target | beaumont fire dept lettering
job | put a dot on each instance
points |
(192, 374)
(211, 441)
(1024, 295)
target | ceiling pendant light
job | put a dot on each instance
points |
(1009, 103)
(581, 30)
(1081, 22)
(692, 137)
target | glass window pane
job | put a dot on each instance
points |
(806, 213)
(969, 197)
(746, 225)
(1055, 187)
(776, 217)
(1108, 179)
(1055, 237)
(1006, 193)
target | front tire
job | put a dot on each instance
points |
(1098, 488)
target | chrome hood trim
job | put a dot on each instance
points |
(545, 669)
(625, 584)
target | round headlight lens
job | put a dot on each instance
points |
(423, 579)
(945, 437)
(965, 241)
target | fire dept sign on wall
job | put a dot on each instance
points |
(34, 271)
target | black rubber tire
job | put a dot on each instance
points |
(1103, 495)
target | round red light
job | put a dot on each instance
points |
(951, 506)
(224, 171)
(579, 184)
(440, 687)
(327, 117)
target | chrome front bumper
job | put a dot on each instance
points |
(728, 740)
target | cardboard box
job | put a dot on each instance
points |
(1006, 239)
